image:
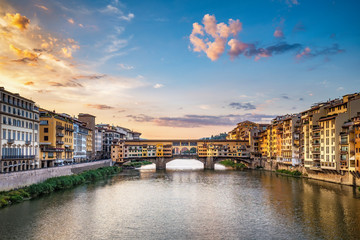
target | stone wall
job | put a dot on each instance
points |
(13, 180)
(341, 178)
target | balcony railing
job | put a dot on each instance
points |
(59, 142)
(69, 129)
(27, 142)
(17, 157)
(11, 141)
(59, 135)
(60, 127)
(52, 149)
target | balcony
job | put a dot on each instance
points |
(27, 142)
(69, 129)
(344, 142)
(316, 136)
(60, 127)
(18, 157)
(10, 141)
(316, 128)
(52, 149)
(316, 151)
(60, 135)
(316, 144)
(59, 142)
(69, 150)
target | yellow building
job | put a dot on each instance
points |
(89, 143)
(356, 121)
(56, 138)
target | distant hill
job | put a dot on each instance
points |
(221, 136)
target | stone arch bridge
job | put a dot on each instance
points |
(161, 152)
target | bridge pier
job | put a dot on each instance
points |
(209, 163)
(160, 163)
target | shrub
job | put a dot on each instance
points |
(54, 184)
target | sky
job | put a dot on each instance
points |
(180, 69)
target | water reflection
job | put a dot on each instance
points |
(201, 204)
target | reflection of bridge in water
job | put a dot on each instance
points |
(161, 152)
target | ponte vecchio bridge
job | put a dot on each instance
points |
(161, 152)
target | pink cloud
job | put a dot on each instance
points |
(201, 36)
(210, 26)
(235, 27)
(216, 48)
(236, 47)
(278, 33)
(305, 52)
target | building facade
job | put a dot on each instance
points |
(56, 138)
(19, 133)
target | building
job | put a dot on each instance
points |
(19, 133)
(89, 120)
(290, 146)
(356, 121)
(99, 142)
(56, 138)
(89, 144)
(80, 141)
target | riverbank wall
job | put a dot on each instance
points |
(9, 181)
(342, 177)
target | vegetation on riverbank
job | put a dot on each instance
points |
(137, 164)
(55, 184)
(295, 173)
(231, 163)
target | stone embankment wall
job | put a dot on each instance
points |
(341, 178)
(13, 180)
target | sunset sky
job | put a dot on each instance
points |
(180, 69)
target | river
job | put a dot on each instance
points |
(196, 204)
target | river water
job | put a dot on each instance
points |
(195, 204)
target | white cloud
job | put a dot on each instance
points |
(125, 66)
(128, 17)
(158, 85)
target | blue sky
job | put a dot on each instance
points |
(133, 63)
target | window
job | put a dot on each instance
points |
(30, 125)
(4, 134)
(46, 138)
(46, 130)
(43, 122)
(36, 127)
(4, 120)
(4, 108)
(22, 136)
(9, 121)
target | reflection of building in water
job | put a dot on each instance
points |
(319, 206)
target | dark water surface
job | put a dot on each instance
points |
(190, 205)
